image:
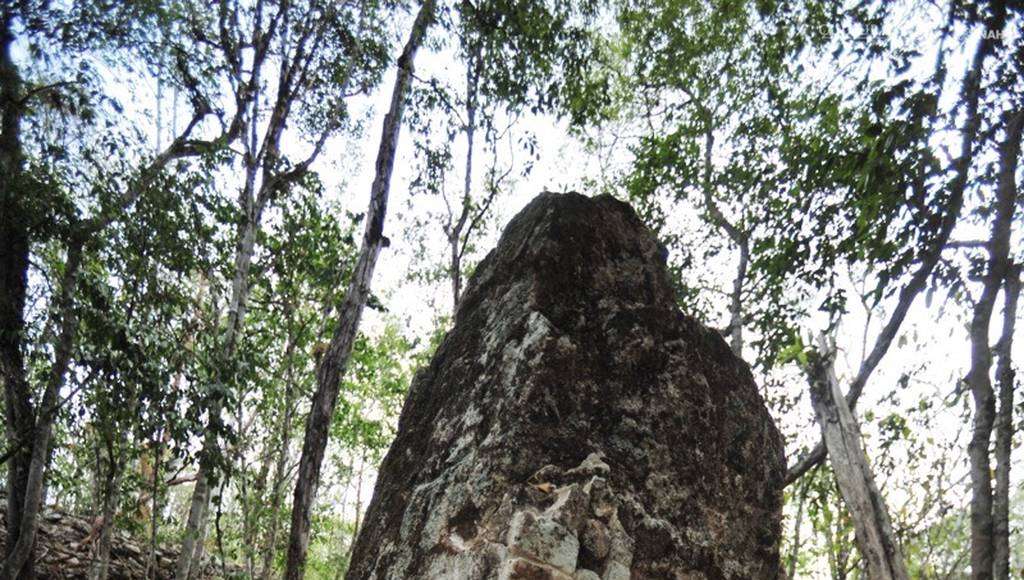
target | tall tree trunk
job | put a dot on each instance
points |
(20, 556)
(334, 361)
(154, 515)
(280, 479)
(195, 527)
(347, 468)
(252, 500)
(456, 244)
(794, 554)
(262, 157)
(841, 433)
(277, 498)
(359, 516)
(736, 235)
(1005, 375)
(359, 505)
(251, 203)
(978, 377)
(14, 254)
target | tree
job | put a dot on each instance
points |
(1004, 426)
(332, 365)
(820, 176)
(979, 377)
(30, 426)
(305, 58)
(442, 111)
(875, 539)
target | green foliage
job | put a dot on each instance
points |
(372, 395)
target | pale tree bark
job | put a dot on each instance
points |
(247, 95)
(334, 361)
(264, 178)
(970, 94)
(252, 206)
(454, 227)
(736, 235)
(154, 515)
(278, 487)
(978, 377)
(280, 479)
(251, 498)
(1006, 376)
(359, 507)
(841, 433)
(794, 553)
(195, 526)
(347, 468)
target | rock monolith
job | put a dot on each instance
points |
(575, 424)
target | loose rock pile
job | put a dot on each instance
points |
(65, 545)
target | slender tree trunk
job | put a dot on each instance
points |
(154, 516)
(1005, 375)
(841, 433)
(14, 254)
(736, 300)
(455, 237)
(736, 235)
(359, 509)
(194, 527)
(794, 553)
(285, 438)
(348, 469)
(334, 361)
(253, 514)
(20, 556)
(978, 377)
(270, 542)
(251, 206)
(262, 164)
(100, 566)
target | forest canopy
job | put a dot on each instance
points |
(232, 232)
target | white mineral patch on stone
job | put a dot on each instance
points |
(616, 571)
(470, 419)
(592, 465)
(514, 353)
(547, 541)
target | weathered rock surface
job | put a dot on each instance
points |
(574, 424)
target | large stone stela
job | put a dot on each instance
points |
(574, 424)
